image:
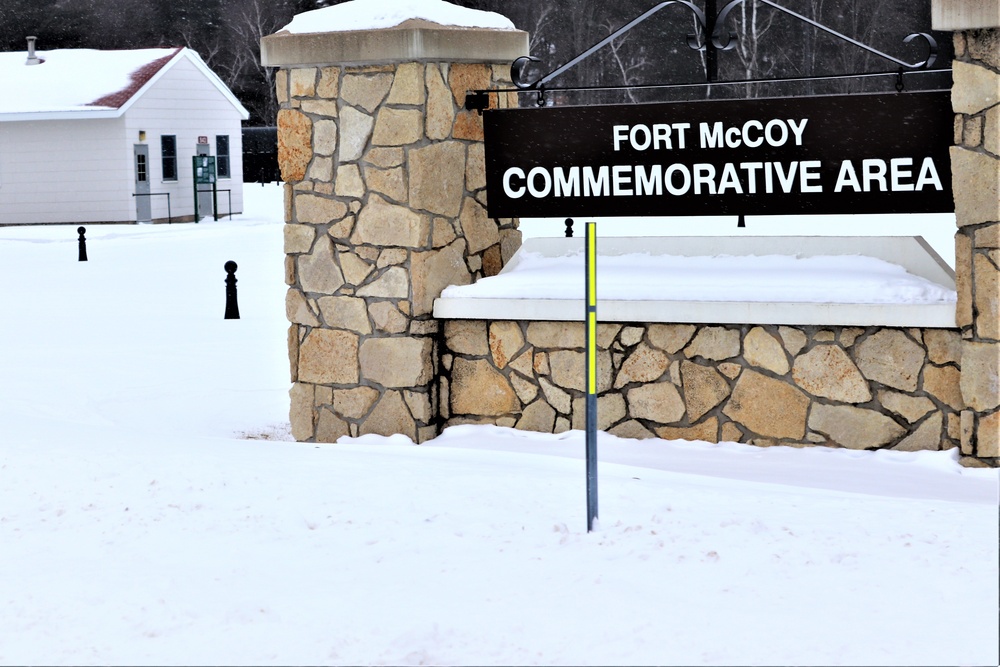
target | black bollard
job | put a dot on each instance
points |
(569, 228)
(232, 308)
(83, 243)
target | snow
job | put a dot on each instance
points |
(153, 509)
(68, 79)
(380, 14)
(768, 278)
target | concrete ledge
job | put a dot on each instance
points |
(413, 41)
(935, 316)
(965, 14)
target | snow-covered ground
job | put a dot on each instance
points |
(154, 511)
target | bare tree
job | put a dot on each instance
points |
(754, 55)
(628, 66)
(246, 22)
(540, 26)
(769, 43)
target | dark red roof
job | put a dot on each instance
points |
(139, 78)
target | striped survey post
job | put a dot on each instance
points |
(591, 266)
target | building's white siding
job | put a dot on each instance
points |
(186, 104)
(80, 171)
(64, 171)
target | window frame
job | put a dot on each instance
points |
(141, 168)
(223, 168)
(168, 161)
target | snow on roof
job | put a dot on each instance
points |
(378, 14)
(77, 83)
(77, 79)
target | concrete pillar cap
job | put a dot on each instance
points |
(413, 41)
(958, 15)
(387, 31)
(382, 14)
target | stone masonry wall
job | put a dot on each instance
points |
(385, 206)
(976, 178)
(859, 388)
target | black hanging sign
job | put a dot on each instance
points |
(812, 155)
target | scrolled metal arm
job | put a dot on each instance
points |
(727, 41)
(924, 64)
(721, 38)
(517, 68)
(932, 49)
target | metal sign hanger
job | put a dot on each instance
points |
(711, 37)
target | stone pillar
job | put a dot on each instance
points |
(385, 206)
(976, 178)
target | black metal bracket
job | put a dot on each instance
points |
(695, 41)
(711, 34)
(477, 100)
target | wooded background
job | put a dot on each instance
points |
(770, 44)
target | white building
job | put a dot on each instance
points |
(104, 136)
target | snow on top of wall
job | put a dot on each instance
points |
(775, 278)
(76, 79)
(379, 14)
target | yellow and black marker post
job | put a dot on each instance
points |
(591, 265)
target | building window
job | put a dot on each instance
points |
(140, 168)
(222, 155)
(168, 146)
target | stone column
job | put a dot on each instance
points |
(976, 178)
(385, 206)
